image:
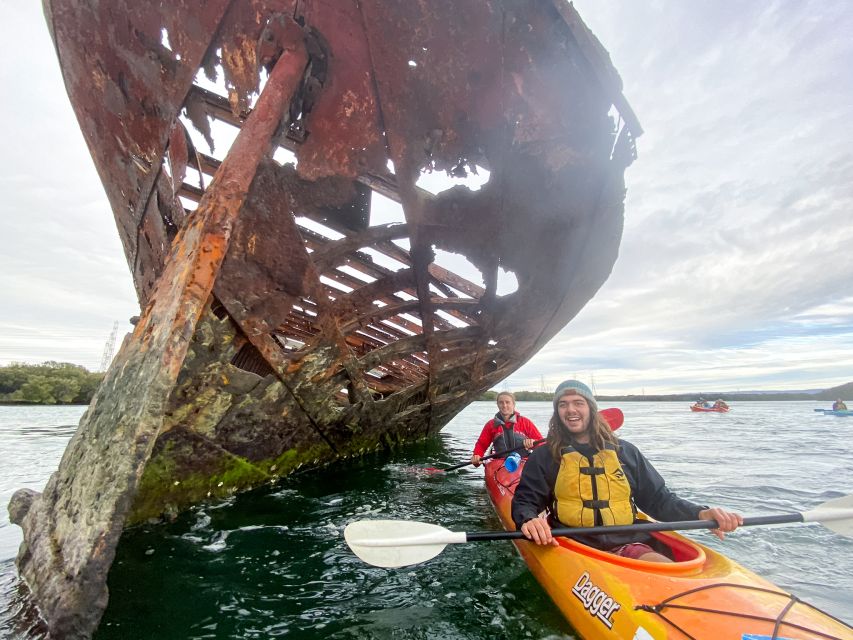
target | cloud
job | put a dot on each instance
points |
(63, 277)
(737, 231)
(734, 269)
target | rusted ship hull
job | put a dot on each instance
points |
(281, 326)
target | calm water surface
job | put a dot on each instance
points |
(272, 563)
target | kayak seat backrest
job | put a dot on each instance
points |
(689, 557)
(680, 549)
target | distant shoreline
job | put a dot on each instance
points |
(711, 398)
(12, 403)
(844, 391)
(692, 400)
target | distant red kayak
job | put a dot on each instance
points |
(709, 409)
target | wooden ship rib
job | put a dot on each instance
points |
(281, 326)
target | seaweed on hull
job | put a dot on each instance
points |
(282, 327)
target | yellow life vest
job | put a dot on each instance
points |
(583, 490)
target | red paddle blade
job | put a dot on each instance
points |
(614, 417)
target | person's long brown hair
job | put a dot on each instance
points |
(599, 431)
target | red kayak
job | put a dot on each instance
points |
(710, 409)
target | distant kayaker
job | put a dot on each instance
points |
(507, 430)
(586, 476)
(839, 405)
(720, 404)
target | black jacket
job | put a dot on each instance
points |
(535, 492)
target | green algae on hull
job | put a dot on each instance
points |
(177, 476)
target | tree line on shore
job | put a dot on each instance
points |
(47, 383)
(842, 391)
(65, 383)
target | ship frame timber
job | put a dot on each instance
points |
(282, 327)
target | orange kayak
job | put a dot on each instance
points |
(702, 596)
(693, 407)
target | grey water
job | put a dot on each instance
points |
(272, 562)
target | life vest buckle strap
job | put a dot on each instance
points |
(592, 471)
(596, 504)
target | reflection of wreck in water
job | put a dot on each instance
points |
(281, 328)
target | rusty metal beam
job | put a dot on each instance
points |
(219, 108)
(66, 561)
(363, 263)
(282, 361)
(441, 276)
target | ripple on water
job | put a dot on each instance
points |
(18, 618)
(272, 562)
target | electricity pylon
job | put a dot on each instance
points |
(109, 347)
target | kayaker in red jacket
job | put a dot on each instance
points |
(507, 430)
(586, 476)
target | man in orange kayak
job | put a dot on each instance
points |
(585, 476)
(507, 430)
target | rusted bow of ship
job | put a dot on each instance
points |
(285, 322)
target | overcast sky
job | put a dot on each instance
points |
(736, 264)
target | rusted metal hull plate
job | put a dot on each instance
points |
(283, 327)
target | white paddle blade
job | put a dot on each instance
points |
(836, 515)
(398, 543)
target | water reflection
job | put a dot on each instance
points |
(32, 440)
(272, 562)
(18, 617)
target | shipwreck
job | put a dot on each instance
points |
(283, 324)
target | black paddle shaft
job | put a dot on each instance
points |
(499, 454)
(683, 525)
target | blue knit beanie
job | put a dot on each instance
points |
(577, 387)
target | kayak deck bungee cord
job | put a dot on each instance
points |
(703, 595)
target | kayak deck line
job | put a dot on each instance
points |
(778, 621)
(703, 595)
